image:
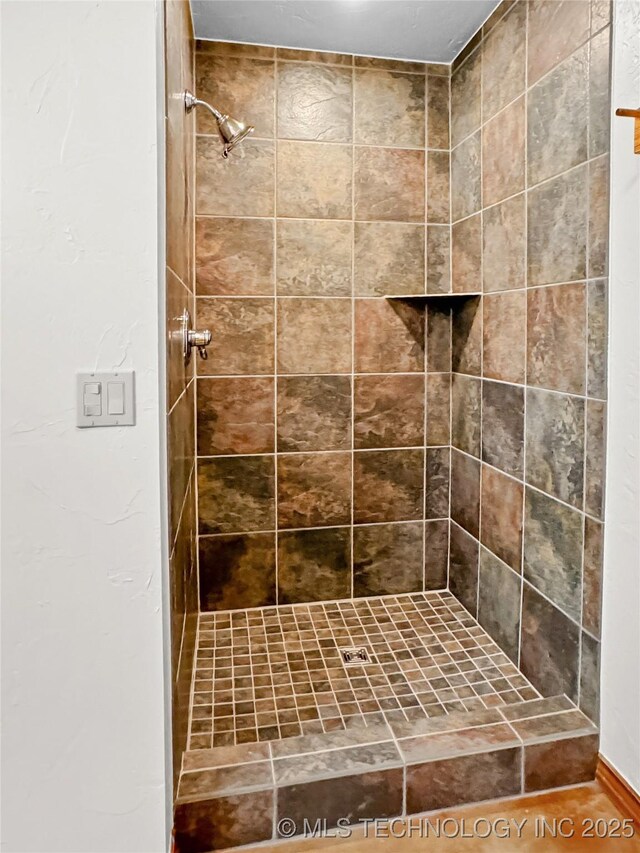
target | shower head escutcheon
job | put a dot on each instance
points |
(231, 130)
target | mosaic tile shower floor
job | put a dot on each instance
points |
(271, 673)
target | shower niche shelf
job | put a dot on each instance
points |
(428, 296)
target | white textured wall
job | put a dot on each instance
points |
(621, 593)
(83, 716)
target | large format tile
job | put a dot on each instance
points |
(438, 409)
(438, 259)
(466, 190)
(388, 485)
(237, 571)
(236, 494)
(235, 415)
(438, 187)
(314, 102)
(597, 322)
(466, 337)
(499, 603)
(314, 565)
(241, 87)
(556, 29)
(243, 333)
(553, 551)
(437, 482)
(556, 337)
(463, 568)
(389, 108)
(437, 112)
(503, 154)
(561, 762)
(504, 326)
(557, 229)
(501, 524)
(314, 489)
(314, 180)
(549, 647)
(234, 257)
(314, 413)
(599, 92)
(389, 336)
(465, 491)
(466, 400)
(241, 185)
(388, 411)
(387, 558)
(555, 430)
(504, 245)
(438, 332)
(503, 427)
(221, 822)
(389, 184)
(466, 255)
(595, 453)
(314, 336)
(389, 258)
(436, 554)
(466, 90)
(314, 258)
(503, 61)
(598, 217)
(592, 580)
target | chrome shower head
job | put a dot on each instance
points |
(231, 130)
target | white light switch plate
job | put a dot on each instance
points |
(105, 399)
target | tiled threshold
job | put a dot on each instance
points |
(401, 763)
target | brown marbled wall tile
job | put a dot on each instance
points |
(601, 11)
(314, 489)
(236, 494)
(387, 558)
(181, 454)
(599, 93)
(590, 678)
(503, 153)
(592, 576)
(597, 336)
(235, 415)
(314, 180)
(594, 472)
(504, 245)
(503, 61)
(388, 411)
(438, 409)
(388, 485)
(222, 822)
(555, 439)
(314, 336)
(466, 255)
(231, 48)
(556, 29)
(553, 551)
(314, 258)
(243, 335)
(234, 257)
(466, 399)
(504, 327)
(437, 482)
(465, 492)
(389, 108)
(466, 190)
(349, 797)
(570, 761)
(436, 554)
(549, 647)
(314, 565)
(501, 523)
(241, 185)
(389, 336)
(240, 87)
(179, 299)
(598, 217)
(314, 413)
(503, 427)
(437, 111)
(314, 102)
(438, 259)
(466, 89)
(389, 258)
(389, 184)
(438, 189)
(237, 571)
(557, 117)
(557, 229)
(438, 330)
(466, 337)
(499, 603)
(556, 337)
(465, 779)
(405, 65)
(320, 56)
(463, 567)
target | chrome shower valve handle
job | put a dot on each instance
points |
(193, 338)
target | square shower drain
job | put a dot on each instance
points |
(355, 656)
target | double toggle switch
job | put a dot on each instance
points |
(105, 399)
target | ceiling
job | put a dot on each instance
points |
(424, 30)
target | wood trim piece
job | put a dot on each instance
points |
(618, 790)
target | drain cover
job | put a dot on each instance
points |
(354, 656)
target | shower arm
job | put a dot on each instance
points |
(191, 102)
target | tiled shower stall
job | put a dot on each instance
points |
(397, 441)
